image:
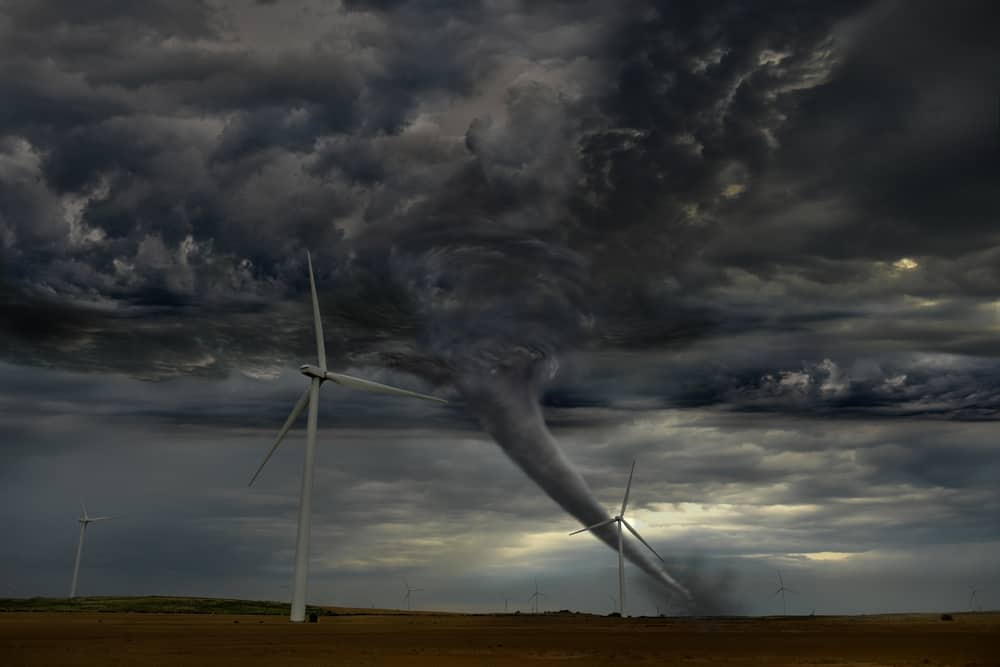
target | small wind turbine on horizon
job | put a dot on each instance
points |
(974, 600)
(620, 520)
(781, 589)
(409, 593)
(535, 597)
(84, 521)
(317, 376)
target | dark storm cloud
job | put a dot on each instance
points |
(521, 171)
(900, 144)
(155, 159)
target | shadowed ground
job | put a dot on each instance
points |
(366, 638)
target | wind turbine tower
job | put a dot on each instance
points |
(782, 589)
(620, 520)
(84, 521)
(534, 598)
(974, 600)
(317, 376)
(409, 594)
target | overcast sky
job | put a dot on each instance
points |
(754, 246)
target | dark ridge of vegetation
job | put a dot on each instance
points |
(153, 604)
(161, 604)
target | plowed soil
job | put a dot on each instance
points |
(198, 639)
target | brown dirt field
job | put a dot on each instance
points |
(446, 640)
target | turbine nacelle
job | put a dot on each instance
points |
(312, 371)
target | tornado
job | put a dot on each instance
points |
(509, 411)
(497, 308)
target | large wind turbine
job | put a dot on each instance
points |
(782, 589)
(317, 376)
(973, 600)
(409, 594)
(620, 520)
(84, 520)
(536, 596)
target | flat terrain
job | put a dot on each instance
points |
(113, 638)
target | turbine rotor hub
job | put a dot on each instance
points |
(312, 371)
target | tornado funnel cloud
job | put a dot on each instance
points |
(497, 306)
(511, 414)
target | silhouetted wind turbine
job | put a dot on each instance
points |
(84, 520)
(317, 375)
(973, 600)
(781, 589)
(409, 593)
(535, 596)
(620, 520)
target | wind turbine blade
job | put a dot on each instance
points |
(777, 591)
(84, 506)
(377, 387)
(596, 525)
(790, 590)
(100, 518)
(628, 488)
(317, 320)
(296, 411)
(639, 537)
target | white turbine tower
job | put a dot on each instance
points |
(620, 520)
(317, 375)
(535, 597)
(84, 520)
(782, 589)
(974, 600)
(409, 594)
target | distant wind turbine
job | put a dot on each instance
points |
(409, 593)
(84, 520)
(620, 520)
(318, 375)
(973, 600)
(782, 589)
(535, 596)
